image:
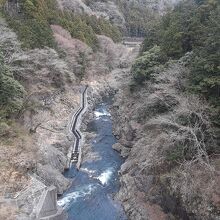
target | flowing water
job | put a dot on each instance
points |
(91, 194)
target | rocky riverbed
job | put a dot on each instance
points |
(93, 186)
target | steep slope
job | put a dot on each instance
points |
(35, 138)
(157, 120)
(167, 119)
(133, 17)
(38, 139)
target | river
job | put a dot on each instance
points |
(91, 195)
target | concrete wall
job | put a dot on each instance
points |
(47, 208)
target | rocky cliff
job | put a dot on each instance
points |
(152, 124)
(125, 14)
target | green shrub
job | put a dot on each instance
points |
(33, 33)
(4, 129)
(83, 62)
(144, 66)
(11, 92)
(180, 152)
(205, 66)
(175, 154)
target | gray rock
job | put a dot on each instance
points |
(109, 10)
(124, 151)
(51, 176)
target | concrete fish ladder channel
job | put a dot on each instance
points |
(75, 152)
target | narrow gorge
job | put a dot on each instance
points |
(109, 110)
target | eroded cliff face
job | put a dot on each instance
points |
(152, 123)
(117, 11)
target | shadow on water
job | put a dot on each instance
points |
(90, 196)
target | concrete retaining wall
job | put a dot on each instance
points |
(47, 208)
(70, 126)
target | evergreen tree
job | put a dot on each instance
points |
(11, 91)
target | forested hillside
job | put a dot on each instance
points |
(32, 20)
(134, 17)
(192, 27)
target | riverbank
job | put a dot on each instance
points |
(91, 194)
(105, 86)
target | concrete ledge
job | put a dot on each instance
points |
(47, 208)
(60, 215)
